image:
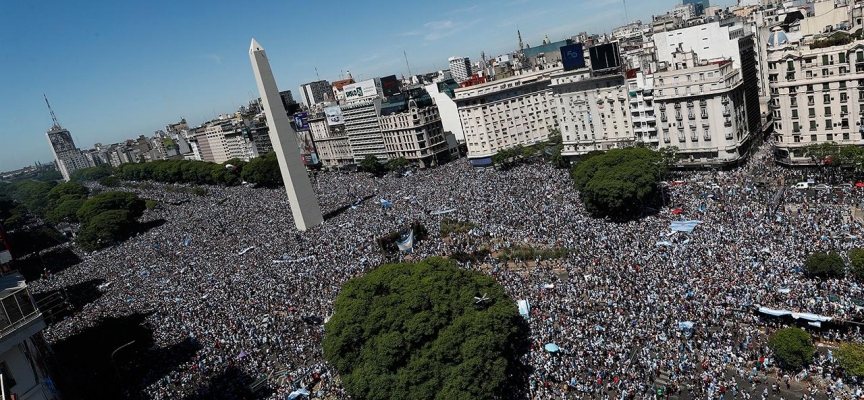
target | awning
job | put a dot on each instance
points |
(481, 162)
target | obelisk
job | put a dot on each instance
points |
(304, 205)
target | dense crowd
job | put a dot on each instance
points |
(230, 272)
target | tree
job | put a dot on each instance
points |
(618, 183)
(110, 181)
(372, 164)
(92, 174)
(102, 202)
(263, 171)
(850, 356)
(669, 156)
(824, 265)
(74, 189)
(398, 164)
(67, 211)
(856, 263)
(417, 331)
(106, 228)
(793, 348)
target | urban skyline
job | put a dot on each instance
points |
(137, 92)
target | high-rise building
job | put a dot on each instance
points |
(66, 155)
(412, 129)
(460, 68)
(315, 92)
(699, 6)
(364, 129)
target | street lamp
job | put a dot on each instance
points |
(116, 370)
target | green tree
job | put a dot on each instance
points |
(850, 356)
(824, 265)
(102, 202)
(92, 174)
(398, 164)
(263, 171)
(74, 189)
(856, 263)
(67, 211)
(110, 181)
(372, 164)
(416, 331)
(106, 228)
(669, 156)
(793, 348)
(618, 183)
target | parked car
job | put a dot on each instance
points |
(821, 187)
(802, 185)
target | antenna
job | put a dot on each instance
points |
(626, 19)
(406, 62)
(519, 33)
(53, 117)
(316, 73)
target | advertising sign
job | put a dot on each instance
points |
(390, 85)
(572, 56)
(307, 148)
(605, 56)
(301, 122)
(334, 115)
(361, 89)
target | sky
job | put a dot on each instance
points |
(119, 69)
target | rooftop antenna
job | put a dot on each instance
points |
(626, 18)
(406, 62)
(316, 73)
(519, 33)
(53, 117)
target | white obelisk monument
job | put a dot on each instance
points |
(304, 205)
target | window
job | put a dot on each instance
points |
(796, 127)
(844, 97)
(842, 57)
(772, 77)
(810, 101)
(826, 99)
(792, 90)
(797, 139)
(829, 137)
(828, 124)
(790, 65)
(824, 59)
(794, 114)
(842, 84)
(809, 88)
(826, 87)
(827, 111)
(812, 138)
(845, 135)
(825, 72)
(812, 125)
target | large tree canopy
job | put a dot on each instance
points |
(263, 171)
(620, 182)
(793, 347)
(416, 331)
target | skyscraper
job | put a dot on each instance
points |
(66, 155)
(460, 68)
(304, 204)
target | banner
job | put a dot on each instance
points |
(524, 308)
(407, 244)
(684, 226)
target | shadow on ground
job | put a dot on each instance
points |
(60, 303)
(335, 213)
(55, 260)
(87, 369)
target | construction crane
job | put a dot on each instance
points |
(53, 117)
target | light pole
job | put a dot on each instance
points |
(116, 370)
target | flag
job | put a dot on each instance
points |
(407, 244)
(385, 203)
(187, 241)
(684, 226)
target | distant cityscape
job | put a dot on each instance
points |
(709, 81)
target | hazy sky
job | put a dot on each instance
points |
(118, 69)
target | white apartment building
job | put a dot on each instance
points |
(414, 131)
(817, 94)
(315, 92)
(331, 141)
(363, 129)
(701, 109)
(447, 109)
(460, 68)
(593, 112)
(505, 113)
(640, 91)
(226, 141)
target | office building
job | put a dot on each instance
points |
(331, 139)
(699, 6)
(593, 112)
(411, 127)
(363, 129)
(502, 114)
(67, 157)
(460, 68)
(317, 92)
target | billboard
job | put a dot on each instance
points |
(605, 56)
(307, 148)
(361, 89)
(301, 122)
(389, 85)
(572, 56)
(334, 115)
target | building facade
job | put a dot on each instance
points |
(412, 129)
(331, 138)
(460, 68)
(364, 130)
(817, 95)
(505, 113)
(315, 92)
(702, 112)
(66, 155)
(593, 112)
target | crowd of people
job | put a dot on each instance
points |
(636, 311)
